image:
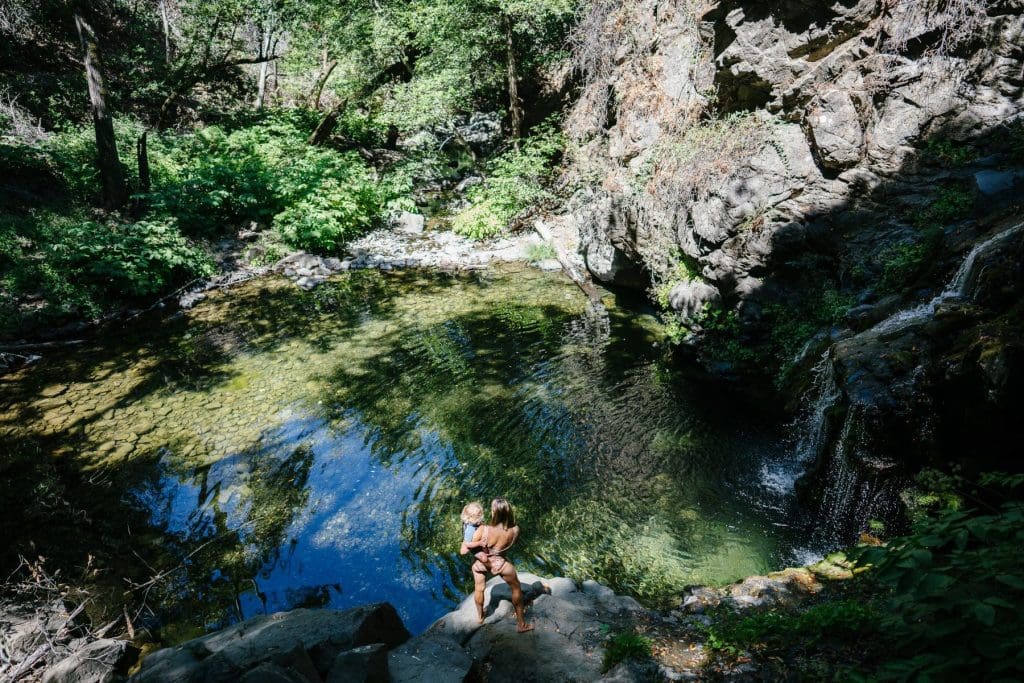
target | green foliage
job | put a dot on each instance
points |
(902, 264)
(723, 338)
(515, 181)
(540, 252)
(933, 491)
(623, 646)
(952, 203)
(949, 152)
(841, 621)
(136, 259)
(315, 198)
(682, 270)
(956, 607)
(81, 267)
(793, 324)
(341, 202)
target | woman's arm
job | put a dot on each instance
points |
(475, 543)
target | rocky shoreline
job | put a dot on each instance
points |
(574, 623)
(406, 244)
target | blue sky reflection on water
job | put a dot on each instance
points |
(344, 546)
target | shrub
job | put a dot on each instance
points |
(723, 338)
(623, 646)
(133, 259)
(841, 621)
(316, 198)
(956, 606)
(84, 268)
(343, 206)
(949, 152)
(902, 264)
(683, 270)
(952, 203)
(540, 252)
(515, 181)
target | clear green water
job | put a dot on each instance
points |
(316, 448)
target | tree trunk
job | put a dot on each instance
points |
(167, 32)
(327, 124)
(115, 192)
(515, 109)
(143, 154)
(188, 80)
(402, 69)
(261, 84)
(318, 89)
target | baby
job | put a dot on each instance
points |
(472, 518)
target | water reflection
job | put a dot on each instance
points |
(315, 448)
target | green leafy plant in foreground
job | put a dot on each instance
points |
(623, 646)
(837, 621)
(84, 268)
(955, 609)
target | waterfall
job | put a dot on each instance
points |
(856, 491)
(855, 485)
(955, 290)
(811, 427)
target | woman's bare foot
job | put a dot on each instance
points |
(523, 628)
(480, 620)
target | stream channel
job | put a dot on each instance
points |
(293, 448)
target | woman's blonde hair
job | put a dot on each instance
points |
(473, 513)
(502, 514)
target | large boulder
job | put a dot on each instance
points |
(688, 298)
(366, 664)
(285, 638)
(570, 622)
(610, 265)
(431, 658)
(836, 130)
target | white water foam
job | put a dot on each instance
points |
(955, 290)
(779, 476)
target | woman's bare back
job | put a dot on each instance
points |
(498, 538)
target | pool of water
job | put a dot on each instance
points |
(294, 448)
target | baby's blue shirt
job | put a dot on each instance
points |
(468, 530)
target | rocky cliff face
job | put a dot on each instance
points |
(738, 132)
(773, 170)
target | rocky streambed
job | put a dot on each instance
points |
(573, 625)
(405, 244)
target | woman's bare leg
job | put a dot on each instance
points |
(508, 572)
(479, 583)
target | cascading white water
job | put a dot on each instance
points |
(853, 495)
(955, 290)
(811, 426)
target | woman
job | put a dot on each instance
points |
(495, 539)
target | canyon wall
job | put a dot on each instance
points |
(811, 179)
